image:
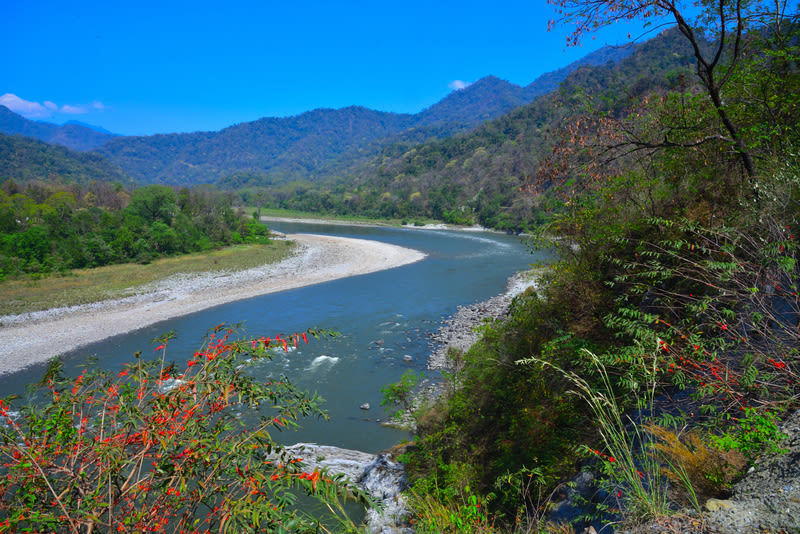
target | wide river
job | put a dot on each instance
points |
(383, 317)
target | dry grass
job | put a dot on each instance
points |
(116, 281)
(711, 471)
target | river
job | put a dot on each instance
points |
(384, 318)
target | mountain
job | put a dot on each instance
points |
(483, 100)
(75, 136)
(608, 55)
(477, 175)
(23, 159)
(491, 97)
(283, 147)
(323, 144)
(99, 129)
(314, 146)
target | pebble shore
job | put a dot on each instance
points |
(459, 331)
(32, 338)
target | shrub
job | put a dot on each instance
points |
(158, 448)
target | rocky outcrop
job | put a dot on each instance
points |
(767, 499)
(377, 474)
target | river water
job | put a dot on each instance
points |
(383, 317)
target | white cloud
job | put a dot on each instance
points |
(457, 85)
(31, 110)
(73, 110)
(35, 110)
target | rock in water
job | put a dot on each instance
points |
(378, 475)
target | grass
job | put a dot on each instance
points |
(630, 460)
(84, 286)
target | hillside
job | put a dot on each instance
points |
(490, 97)
(476, 176)
(23, 159)
(654, 364)
(317, 145)
(72, 135)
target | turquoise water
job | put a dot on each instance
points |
(382, 317)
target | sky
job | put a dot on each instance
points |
(147, 67)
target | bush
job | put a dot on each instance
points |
(161, 448)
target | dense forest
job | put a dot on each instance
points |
(661, 351)
(47, 228)
(23, 159)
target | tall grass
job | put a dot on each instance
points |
(630, 459)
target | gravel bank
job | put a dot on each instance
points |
(459, 331)
(31, 338)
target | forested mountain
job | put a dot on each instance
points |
(477, 176)
(317, 145)
(490, 97)
(283, 147)
(314, 146)
(71, 135)
(24, 159)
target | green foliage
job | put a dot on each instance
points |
(437, 510)
(752, 434)
(678, 268)
(24, 159)
(402, 393)
(163, 447)
(630, 459)
(47, 229)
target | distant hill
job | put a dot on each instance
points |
(75, 136)
(23, 159)
(477, 175)
(491, 97)
(319, 145)
(315, 146)
(608, 55)
(99, 129)
(283, 147)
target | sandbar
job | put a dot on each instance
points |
(32, 338)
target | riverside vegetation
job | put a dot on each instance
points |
(661, 350)
(159, 447)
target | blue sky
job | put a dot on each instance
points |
(163, 66)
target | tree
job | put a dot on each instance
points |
(725, 22)
(154, 203)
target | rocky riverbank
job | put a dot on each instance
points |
(379, 475)
(32, 338)
(459, 332)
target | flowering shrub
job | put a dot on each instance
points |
(161, 448)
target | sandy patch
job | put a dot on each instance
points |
(31, 338)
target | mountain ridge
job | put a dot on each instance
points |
(298, 147)
(72, 135)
